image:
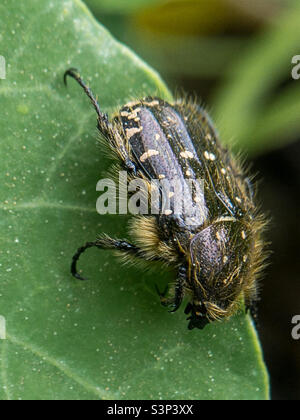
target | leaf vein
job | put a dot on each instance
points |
(62, 367)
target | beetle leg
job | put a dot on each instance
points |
(196, 320)
(179, 288)
(105, 243)
(74, 73)
(175, 302)
(104, 125)
(188, 309)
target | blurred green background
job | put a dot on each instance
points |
(236, 55)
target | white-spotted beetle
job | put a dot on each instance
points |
(219, 256)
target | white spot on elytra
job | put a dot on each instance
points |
(132, 131)
(186, 154)
(132, 115)
(148, 154)
(209, 156)
(152, 103)
(212, 157)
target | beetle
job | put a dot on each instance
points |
(219, 256)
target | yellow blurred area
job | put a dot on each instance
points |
(193, 17)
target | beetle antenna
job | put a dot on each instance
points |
(74, 73)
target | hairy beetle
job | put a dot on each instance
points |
(219, 255)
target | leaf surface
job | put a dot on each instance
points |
(107, 338)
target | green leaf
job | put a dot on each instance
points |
(253, 108)
(109, 337)
(120, 6)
